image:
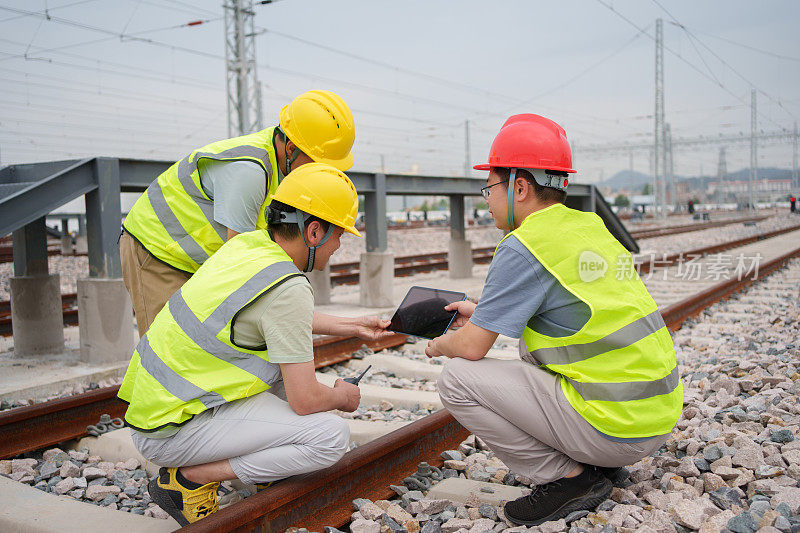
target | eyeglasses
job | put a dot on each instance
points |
(485, 190)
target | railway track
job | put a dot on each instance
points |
(40, 425)
(348, 273)
(324, 498)
(647, 233)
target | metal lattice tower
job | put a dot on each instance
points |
(795, 183)
(467, 164)
(244, 91)
(670, 173)
(722, 171)
(659, 135)
(753, 150)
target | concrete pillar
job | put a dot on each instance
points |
(459, 259)
(66, 245)
(105, 313)
(376, 275)
(81, 245)
(81, 241)
(321, 285)
(105, 321)
(66, 238)
(459, 253)
(36, 313)
(377, 265)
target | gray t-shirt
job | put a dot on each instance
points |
(238, 189)
(517, 288)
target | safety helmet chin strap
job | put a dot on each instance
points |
(286, 158)
(512, 176)
(542, 177)
(299, 217)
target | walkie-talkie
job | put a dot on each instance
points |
(355, 381)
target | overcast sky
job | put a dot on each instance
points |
(84, 82)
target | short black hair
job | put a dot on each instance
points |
(290, 231)
(285, 138)
(544, 194)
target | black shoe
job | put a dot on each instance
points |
(559, 498)
(615, 475)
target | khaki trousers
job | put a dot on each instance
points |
(261, 436)
(518, 409)
(149, 281)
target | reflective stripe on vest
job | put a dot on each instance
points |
(625, 336)
(619, 371)
(187, 362)
(204, 334)
(174, 228)
(174, 219)
(171, 380)
(627, 390)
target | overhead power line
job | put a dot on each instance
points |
(679, 56)
(384, 64)
(46, 12)
(747, 46)
(749, 82)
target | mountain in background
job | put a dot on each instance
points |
(622, 179)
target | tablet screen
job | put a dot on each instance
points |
(422, 313)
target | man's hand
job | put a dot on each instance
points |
(371, 328)
(351, 393)
(432, 350)
(465, 309)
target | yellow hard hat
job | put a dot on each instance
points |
(321, 125)
(323, 191)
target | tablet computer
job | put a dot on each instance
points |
(422, 314)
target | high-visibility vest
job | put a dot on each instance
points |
(174, 218)
(187, 361)
(619, 371)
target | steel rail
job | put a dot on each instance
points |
(37, 426)
(676, 314)
(686, 228)
(320, 498)
(646, 266)
(324, 498)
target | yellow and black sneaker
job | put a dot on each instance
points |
(264, 486)
(184, 500)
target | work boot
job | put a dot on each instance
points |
(615, 475)
(559, 498)
(184, 500)
(264, 486)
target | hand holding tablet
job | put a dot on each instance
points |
(422, 312)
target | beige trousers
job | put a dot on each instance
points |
(261, 436)
(149, 281)
(518, 409)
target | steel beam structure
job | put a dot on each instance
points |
(375, 215)
(103, 220)
(30, 249)
(43, 187)
(457, 226)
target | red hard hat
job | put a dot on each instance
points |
(530, 141)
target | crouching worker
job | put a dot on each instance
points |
(597, 386)
(204, 384)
